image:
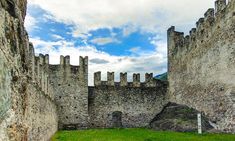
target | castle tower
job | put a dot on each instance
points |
(70, 84)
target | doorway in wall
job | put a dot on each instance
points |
(117, 119)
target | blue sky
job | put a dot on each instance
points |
(119, 36)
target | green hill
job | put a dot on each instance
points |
(162, 77)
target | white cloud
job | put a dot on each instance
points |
(146, 62)
(30, 23)
(57, 37)
(46, 47)
(80, 32)
(147, 15)
(160, 44)
(135, 49)
(99, 61)
(153, 16)
(104, 41)
(129, 29)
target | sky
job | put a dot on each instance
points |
(117, 35)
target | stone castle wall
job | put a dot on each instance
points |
(70, 85)
(27, 110)
(136, 102)
(37, 99)
(201, 66)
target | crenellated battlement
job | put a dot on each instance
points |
(39, 98)
(70, 83)
(67, 68)
(149, 80)
(41, 73)
(206, 27)
(65, 60)
(202, 62)
(220, 5)
(41, 60)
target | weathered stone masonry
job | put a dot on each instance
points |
(80, 106)
(137, 102)
(27, 110)
(201, 66)
(70, 85)
(37, 99)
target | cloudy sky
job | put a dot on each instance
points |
(116, 35)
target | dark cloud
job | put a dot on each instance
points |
(99, 61)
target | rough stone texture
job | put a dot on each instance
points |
(41, 115)
(36, 97)
(27, 112)
(137, 102)
(33, 92)
(179, 118)
(202, 66)
(70, 84)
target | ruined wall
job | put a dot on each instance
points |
(70, 85)
(27, 111)
(201, 66)
(134, 104)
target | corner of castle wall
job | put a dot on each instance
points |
(179, 45)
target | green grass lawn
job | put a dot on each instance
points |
(136, 135)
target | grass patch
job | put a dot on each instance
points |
(136, 135)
